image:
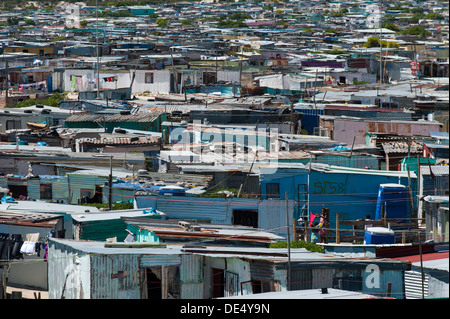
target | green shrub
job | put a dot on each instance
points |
(299, 244)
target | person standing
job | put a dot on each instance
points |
(324, 225)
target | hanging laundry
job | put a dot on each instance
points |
(85, 82)
(16, 244)
(79, 81)
(38, 249)
(28, 248)
(45, 251)
(5, 243)
(29, 245)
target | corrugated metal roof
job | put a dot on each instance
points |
(437, 170)
(214, 233)
(121, 140)
(135, 117)
(29, 219)
(98, 247)
(402, 147)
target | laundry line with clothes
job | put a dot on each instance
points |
(15, 246)
(36, 85)
(85, 82)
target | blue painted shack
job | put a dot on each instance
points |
(353, 193)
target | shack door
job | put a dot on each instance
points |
(218, 283)
(154, 287)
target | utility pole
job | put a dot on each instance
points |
(288, 278)
(98, 59)
(240, 76)
(421, 267)
(7, 82)
(110, 184)
(381, 44)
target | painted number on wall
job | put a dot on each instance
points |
(328, 188)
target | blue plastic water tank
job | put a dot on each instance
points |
(379, 235)
(172, 190)
(396, 198)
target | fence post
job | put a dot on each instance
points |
(338, 236)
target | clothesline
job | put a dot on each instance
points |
(82, 81)
(14, 246)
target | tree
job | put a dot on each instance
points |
(434, 16)
(391, 26)
(12, 21)
(162, 23)
(416, 30)
(186, 22)
(372, 42)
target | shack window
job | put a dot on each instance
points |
(259, 286)
(46, 191)
(13, 125)
(273, 190)
(86, 196)
(149, 77)
(231, 284)
(245, 218)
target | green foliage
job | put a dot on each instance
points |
(186, 22)
(52, 100)
(372, 42)
(336, 52)
(218, 193)
(299, 244)
(416, 17)
(12, 21)
(162, 23)
(434, 16)
(235, 20)
(416, 30)
(337, 14)
(391, 26)
(375, 42)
